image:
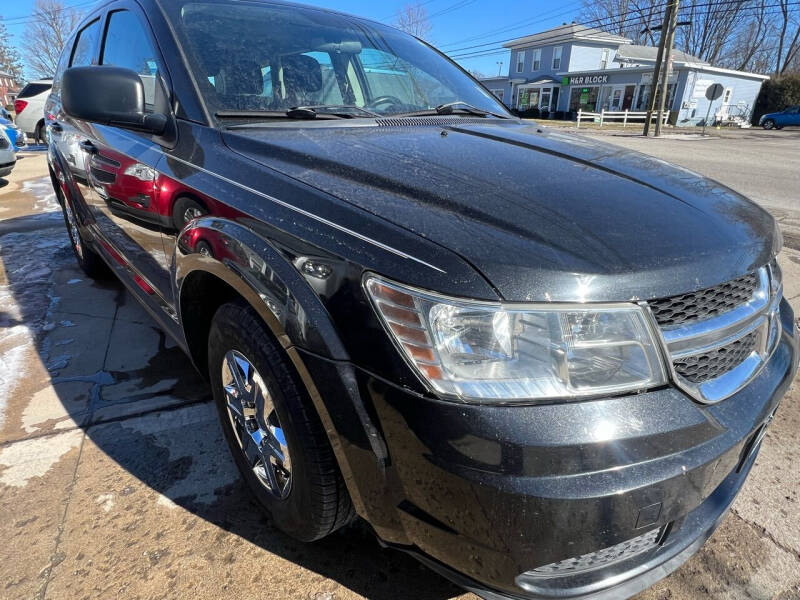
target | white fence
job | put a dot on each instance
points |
(626, 116)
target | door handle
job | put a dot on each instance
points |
(56, 126)
(88, 147)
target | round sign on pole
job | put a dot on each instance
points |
(714, 92)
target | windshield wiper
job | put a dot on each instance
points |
(451, 108)
(339, 110)
(321, 111)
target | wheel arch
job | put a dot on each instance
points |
(204, 283)
(246, 265)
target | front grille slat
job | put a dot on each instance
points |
(601, 558)
(700, 368)
(704, 304)
(717, 331)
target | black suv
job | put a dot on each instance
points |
(540, 364)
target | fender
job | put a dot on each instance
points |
(253, 267)
(268, 280)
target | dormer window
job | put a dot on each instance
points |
(556, 58)
(537, 60)
(520, 61)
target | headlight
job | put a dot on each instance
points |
(140, 172)
(487, 351)
(775, 279)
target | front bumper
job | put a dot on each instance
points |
(486, 494)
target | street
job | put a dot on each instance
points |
(115, 480)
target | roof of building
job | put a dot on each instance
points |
(565, 33)
(648, 54)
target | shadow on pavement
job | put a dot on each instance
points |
(145, 407)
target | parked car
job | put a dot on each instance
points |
(29, 109)
(540, 364)
(779, 120)
(4, 113)
(14, 133)
(8, 157)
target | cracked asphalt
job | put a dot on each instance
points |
(115, 480)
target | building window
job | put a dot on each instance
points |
(604, 58)
(537, 60)
(520, 61)
(645, 91)
(556, 58)
(498, 94)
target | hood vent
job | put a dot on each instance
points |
(431, 121)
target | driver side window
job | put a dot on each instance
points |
(387, 75)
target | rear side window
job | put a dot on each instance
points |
(62, 66)
(85, 44)
(127, 45)
(33, 89)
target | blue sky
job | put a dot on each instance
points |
(462, 23)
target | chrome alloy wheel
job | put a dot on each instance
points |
(192, 213)
(73, 229)
(256, 424)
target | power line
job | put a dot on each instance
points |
(426, 2)
(21, 20)
(604, 21)
(462, 53)
(547, 15)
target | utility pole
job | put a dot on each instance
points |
(651, 104)
(664, 87)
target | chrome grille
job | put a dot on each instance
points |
(601, 558)
(719, 338)
(699, 368)
(706, 303)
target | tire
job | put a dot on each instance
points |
(204, 248)
(184, 210)
(312, 501)
(39, 135)
(768, 124)
(89, 261)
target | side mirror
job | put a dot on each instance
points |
(110, 96)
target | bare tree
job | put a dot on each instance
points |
(711, 27)
(10, 61)
(752, 35)
(747, 49)
(633, 19)
(477, 74)
(413, 19)
(788, 36)
(47, 33)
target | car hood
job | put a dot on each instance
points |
(543, 215)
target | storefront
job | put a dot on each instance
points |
(630, 87)
(541, 94)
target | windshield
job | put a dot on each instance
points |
(269, 57)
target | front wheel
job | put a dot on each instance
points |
(88, 260)
(769, 124)
(272, 428)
